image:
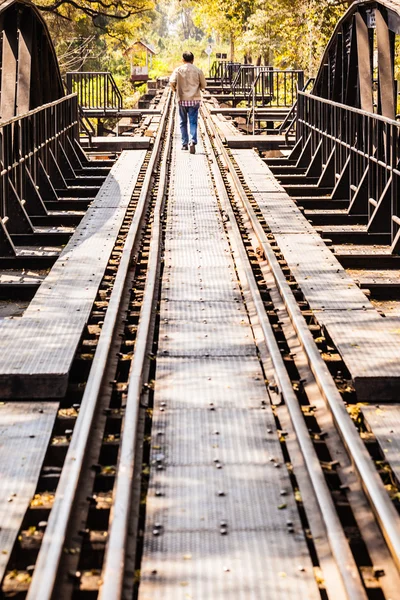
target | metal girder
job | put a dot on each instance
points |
(351, 92)
(380, 220)
(349, 119)
(30, 74)
(24, 66)
(385, 67)
(342, 187)
(346, 72)
(364, 64)
(9, 69)
(337, 91)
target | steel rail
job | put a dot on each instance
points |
(45, 574)
(112, 577)
(340, 548)
(385, 512)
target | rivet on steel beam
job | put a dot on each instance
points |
(84, 533)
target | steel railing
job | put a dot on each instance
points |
(243, 82)
(361, 152)
(275, 88)
(267, 85)
(288, 126)
(95, 90)
(224, 72)
(31, 146)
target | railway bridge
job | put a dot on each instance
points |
(200, 354)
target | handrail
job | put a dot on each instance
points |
(33, 142)
(352, 109)
(245, 71)
(292, 114)
(223, 71)
(363, 149)
(96, 89)
(274, 85)
(272, 89)
(85, 124)
(34, 111)
(31, 145)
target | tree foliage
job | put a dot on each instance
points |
(94, 35)
(286, 33)
(94, 9)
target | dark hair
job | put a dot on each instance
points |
(188, 56)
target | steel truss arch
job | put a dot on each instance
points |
(30, 75)
(357, 68)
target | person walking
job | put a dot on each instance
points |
(188, 81)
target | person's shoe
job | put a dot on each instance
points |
(184, 147)
(192, 148)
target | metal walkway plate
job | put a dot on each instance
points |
(38, 349)
(220, 503)
(264, 142)
(25, 430)
(384, 422)
(368, 343)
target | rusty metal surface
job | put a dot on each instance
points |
(221, 519)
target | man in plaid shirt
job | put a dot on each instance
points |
(188, 81)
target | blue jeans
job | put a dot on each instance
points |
(191, 113)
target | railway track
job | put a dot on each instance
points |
(86, 532)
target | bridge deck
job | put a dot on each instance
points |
(244, 111)
(384, 422)
(25, 431)
(263, 142)
(38, 348)
(216, 500)
(367, 342)
(118, 143)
